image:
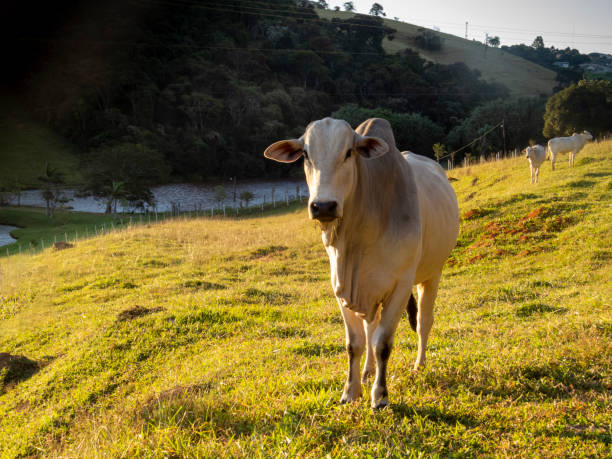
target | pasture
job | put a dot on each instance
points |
(522, 77)
(221, 337)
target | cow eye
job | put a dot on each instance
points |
(348, 154)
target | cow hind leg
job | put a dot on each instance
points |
(428, 291)
(413, 310)
(355, 344)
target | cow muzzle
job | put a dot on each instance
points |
(324, 211)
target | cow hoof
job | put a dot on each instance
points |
(348, 398)
(376, 406)
(379, 397)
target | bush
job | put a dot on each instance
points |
(586, 105)
(412, 131)
(428, 40)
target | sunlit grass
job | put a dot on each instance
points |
(221, 337)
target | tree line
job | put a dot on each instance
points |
(158, 91)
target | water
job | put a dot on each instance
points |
(5, 237)
(190, 196)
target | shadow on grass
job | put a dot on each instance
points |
(433, 413)
(531, 382)
(516, 198)
(581, 184)
(188, 409)
(316, 349)
(14, 369)
(136, 311)
(532, 308)
(597, 174)
(599, 433)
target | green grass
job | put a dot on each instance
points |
(37, 231)
(212, 337)
(26, 145)
(522, 77)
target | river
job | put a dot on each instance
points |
(189, 196)
(5, 234)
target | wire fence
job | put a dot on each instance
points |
(125, 221)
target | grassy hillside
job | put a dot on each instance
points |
(522, 77)
(26, 145)
(222, 338)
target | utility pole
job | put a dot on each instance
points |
(504, 135)
(466, 27)
(486, 43)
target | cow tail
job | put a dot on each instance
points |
(412, 312)
(548, 152)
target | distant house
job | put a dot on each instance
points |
(596, 68)
(562, 64)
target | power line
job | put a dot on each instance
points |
(501, 123)
(294, 13)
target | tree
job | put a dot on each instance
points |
(349, 6)
(321, 4)
(412, 131)
(494, 41)
(53, 181)
(439, 150)
(220, 195)
(522, 121)
(428, 40)
(246, 196)
(123, 172)
(538, 43)
(586, 105)
(377, 10)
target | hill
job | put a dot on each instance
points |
(520, 76)
(214, 337)
(209, 86)
(26, 144)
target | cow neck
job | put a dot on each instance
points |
(372, 209)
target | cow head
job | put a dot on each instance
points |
(529, 152)
(587, 135)
(331, 150)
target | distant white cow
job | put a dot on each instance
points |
(536, 155)
(572, 144)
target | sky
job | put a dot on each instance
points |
(585, 25)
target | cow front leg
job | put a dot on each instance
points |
(537, 174)
(531, 169)
(382, 341)
(355, 344)
(370, 364)
(552, 161)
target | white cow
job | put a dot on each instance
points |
(572, 144)
(536, 155)
(389, 221)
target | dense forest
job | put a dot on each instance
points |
(207, 85)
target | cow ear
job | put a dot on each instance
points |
(370, 147)
(285, 151)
